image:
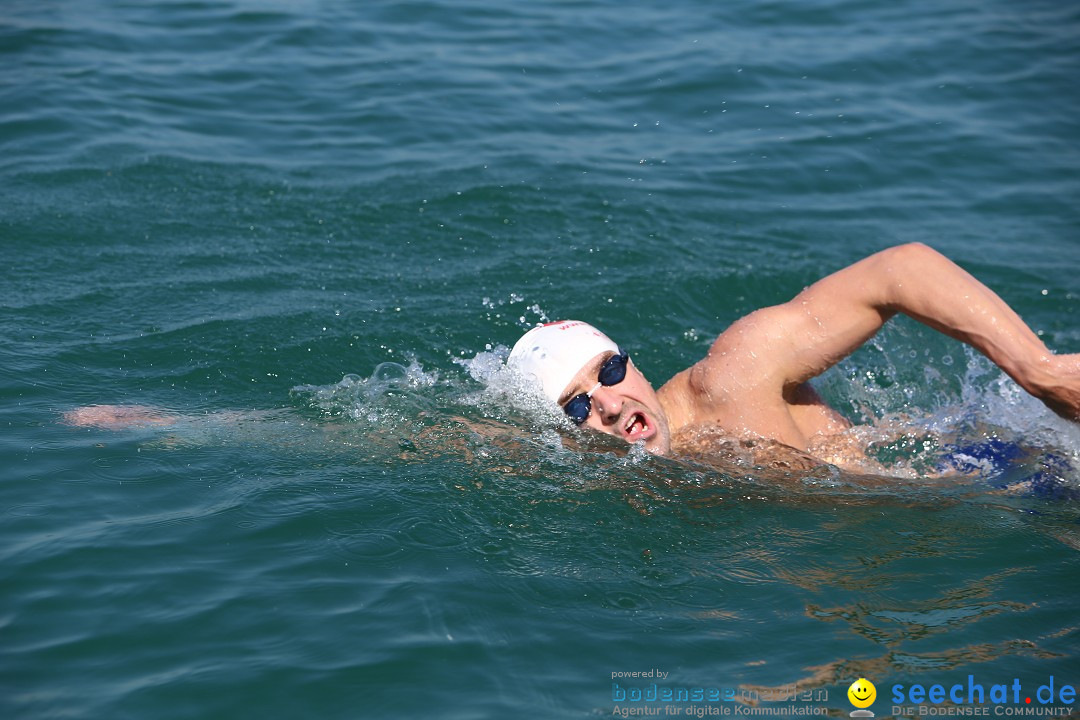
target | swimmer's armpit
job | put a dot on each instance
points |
(118, 417)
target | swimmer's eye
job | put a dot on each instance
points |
(612, 372)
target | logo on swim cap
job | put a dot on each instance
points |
(553, 354)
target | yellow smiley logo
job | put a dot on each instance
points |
(862, 693)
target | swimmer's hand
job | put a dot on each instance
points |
(1056, 381)
(118, 417)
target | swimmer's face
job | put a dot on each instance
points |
(628, 409)
(862, 693)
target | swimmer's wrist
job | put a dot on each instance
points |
(1051, 382)
(1034, 376)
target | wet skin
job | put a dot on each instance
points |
(753, 380)
(630, 409)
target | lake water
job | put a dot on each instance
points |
(307, 232)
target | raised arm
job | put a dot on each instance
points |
(827, 321)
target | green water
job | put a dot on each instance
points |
(311, 230)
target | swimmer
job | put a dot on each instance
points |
(750, 394)
(753, 382)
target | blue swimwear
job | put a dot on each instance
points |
(1005, 462)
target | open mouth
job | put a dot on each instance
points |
(637, 427)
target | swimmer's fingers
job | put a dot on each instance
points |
(118, 417)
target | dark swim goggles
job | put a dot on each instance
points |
(612, 372)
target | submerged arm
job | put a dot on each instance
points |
(830, 319)
(118, 417)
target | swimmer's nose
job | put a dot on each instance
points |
(607, 404)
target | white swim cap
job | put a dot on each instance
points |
(554, 353)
